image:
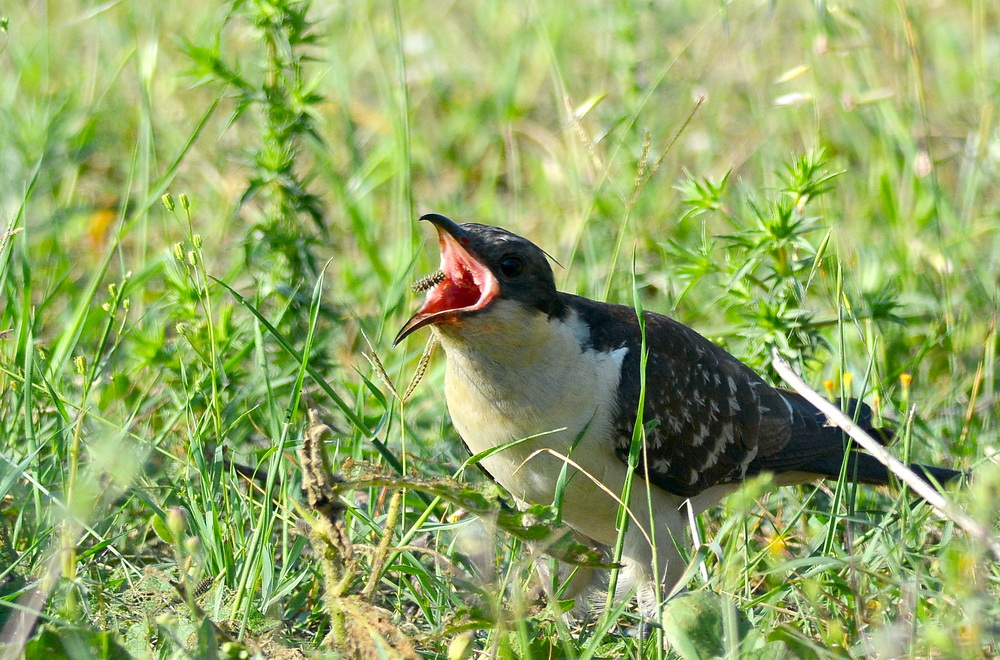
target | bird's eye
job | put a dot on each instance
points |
(511, 266)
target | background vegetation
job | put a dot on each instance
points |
(822, 177)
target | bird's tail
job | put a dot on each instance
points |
(818, 447)
(867, 469)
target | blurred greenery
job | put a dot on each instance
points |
(823, 177)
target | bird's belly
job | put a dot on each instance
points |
(530, 464)
(535, 444)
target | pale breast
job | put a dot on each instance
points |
(550, 391)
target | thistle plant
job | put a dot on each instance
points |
(276, 96)
(769, 259)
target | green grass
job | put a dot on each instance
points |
(149, 356)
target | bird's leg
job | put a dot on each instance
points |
(639, 558)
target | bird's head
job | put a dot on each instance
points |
(481, 265)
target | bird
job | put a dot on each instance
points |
(556, 380)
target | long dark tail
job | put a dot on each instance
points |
(867, 469)
(817, 448)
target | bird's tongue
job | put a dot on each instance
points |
(467, 286)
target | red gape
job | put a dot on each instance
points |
(467, 286)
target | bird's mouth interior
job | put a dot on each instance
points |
(462, 285)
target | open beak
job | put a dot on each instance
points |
(467, 286)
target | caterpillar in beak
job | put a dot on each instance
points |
(427, 282)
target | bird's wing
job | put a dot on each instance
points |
(707, 416)
(709, 419)
(712, 415)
